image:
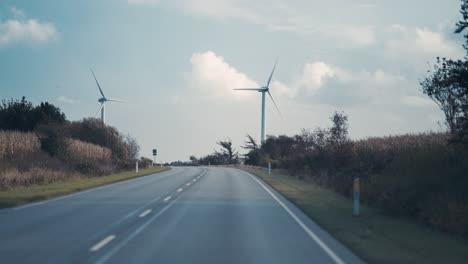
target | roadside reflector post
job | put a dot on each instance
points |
(356, 190)
(269, 168)
(136, 167)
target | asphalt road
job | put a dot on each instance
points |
(185, 215)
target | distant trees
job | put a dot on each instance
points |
(447, 85)
(54, 131)
(194, 160)
(225, 155)
(22, 115)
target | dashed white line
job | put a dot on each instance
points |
(103, 242)
(167, 198)
(124, 242)
(194, 180)
(145, 213)
(180, 190)
(188, 184)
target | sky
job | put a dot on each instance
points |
(177, 61)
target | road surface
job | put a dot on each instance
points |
(185, 215)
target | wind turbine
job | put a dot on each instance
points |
(103, 100)
(263, 90)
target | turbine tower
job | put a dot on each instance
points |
(103, 100)
(263, 90)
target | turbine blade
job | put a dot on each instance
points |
(249, 89)
(273, 100)
(99, 86)
(116, 100)
(100, 108)
(271, 75)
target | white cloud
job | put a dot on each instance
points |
(274, 15)
(416, 101)
(211, 74)
(17, 13)
(351, 36)
(331, 84)
(314, 76)
(144, 2)
(318, 81)
(421, 44)
(22, 30)
(66, 100)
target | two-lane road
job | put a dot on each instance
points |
(185, 215)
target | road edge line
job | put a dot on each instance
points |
(311, 234)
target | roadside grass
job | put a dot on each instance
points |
(22, 195)
(374, 236)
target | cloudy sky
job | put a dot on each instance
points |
(177, 61)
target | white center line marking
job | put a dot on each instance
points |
(188, 184)
(167, 198)
(103, 242)
(180, 190)
(145, 213)
(309, 232)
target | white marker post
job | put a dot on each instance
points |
(356, 191)
(136, 167)
(269, 168)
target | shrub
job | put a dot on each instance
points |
(93, 131)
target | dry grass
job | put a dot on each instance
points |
(13, 143)
(69, 184)
(79, 151)
(14, 178)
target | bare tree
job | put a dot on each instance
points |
(133, 147)
(227, 152)
(250, 143)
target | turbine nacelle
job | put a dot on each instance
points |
(103, 100)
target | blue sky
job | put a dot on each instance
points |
(176, 62)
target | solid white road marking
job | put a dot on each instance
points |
(145, 213)
(167, 198)
(311, 234)
(103, 242)
(180, 190)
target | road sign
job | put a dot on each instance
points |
(155, 152)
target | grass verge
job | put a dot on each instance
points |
(23, 195)
(374, 236)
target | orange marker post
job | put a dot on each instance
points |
(356, 191)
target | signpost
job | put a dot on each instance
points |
(269, 168)
(155, 153)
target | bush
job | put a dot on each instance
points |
(93, 131)
(23, 116)
(88, 158)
